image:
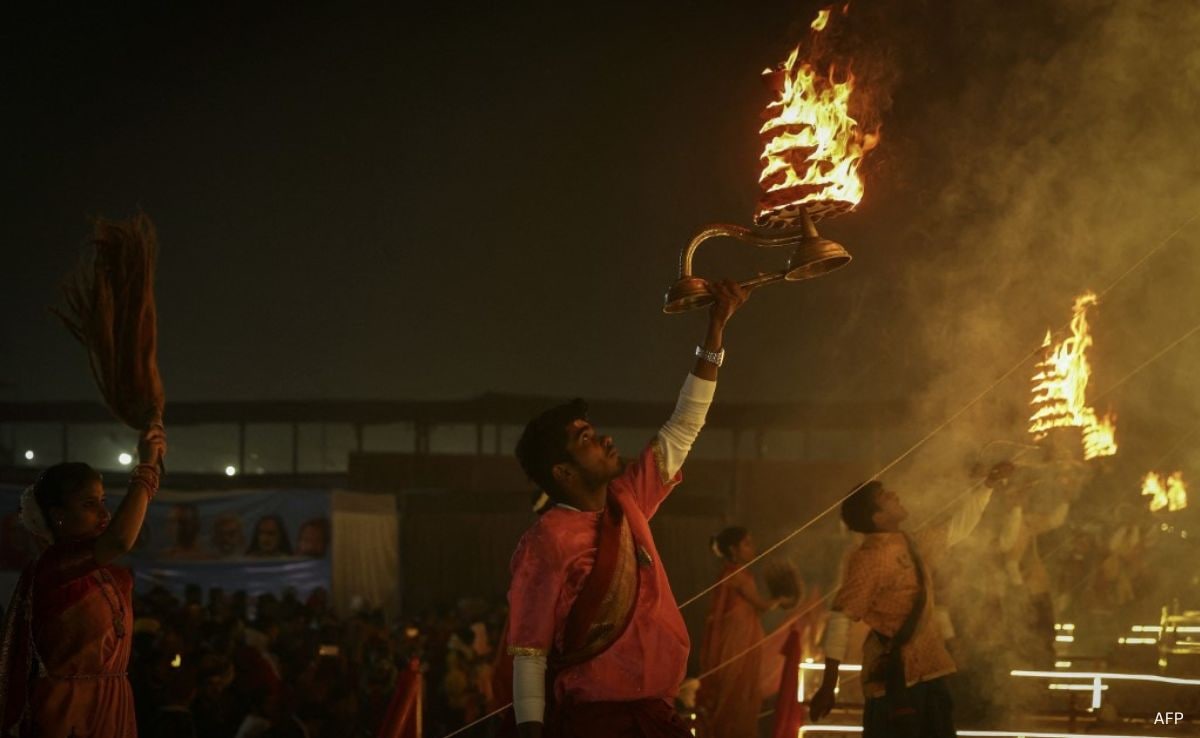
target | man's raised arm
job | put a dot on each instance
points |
(679, 433)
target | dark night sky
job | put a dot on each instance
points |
(445, 201)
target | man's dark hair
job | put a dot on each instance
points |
(544, 444)
(859, 508)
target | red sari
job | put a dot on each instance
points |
(733, 695)
(69, 627)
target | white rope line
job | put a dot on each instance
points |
(1162, 352)
(1145, 257)
(758, 644)
(1178, 445)
(485, 718)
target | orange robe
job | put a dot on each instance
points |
(550, 567)
(80, 616)
(733, 695)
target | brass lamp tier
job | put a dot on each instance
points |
(811, 257)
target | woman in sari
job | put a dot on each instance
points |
(67, 631)
(732, 696)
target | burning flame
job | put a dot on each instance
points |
(812, 147)
(1172, 495)
(1176, 492)
(1060, 388)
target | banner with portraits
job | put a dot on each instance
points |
(252, 540)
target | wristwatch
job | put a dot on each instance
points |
(716, 358)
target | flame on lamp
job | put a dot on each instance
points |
(1060, 388)
(1170, 494)
(1176, 492)
(812, 147)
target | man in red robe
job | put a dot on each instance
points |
(592, 615)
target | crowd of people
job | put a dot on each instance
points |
(225, 665)
(230, 666)
(222, 664)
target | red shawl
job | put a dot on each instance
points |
(599, 615)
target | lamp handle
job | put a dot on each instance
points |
(752, 283)
(745, 235)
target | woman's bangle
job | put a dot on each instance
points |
(147, 476)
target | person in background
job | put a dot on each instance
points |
(174, 717)
(732, 696)
(215, 710)
(887, 582)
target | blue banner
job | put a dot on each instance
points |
(252, 540)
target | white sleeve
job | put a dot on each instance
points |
(679, 433)
(967, 517)
(529, 688)
(837, 636)
(1011, 530)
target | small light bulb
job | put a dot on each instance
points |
(29, 455)
(230, 471)
(177, 661)
(124, 459)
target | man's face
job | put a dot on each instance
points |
(889, 513)
(228, 536)
(595, 456)
(311, 541)
(268, 536)
(744, 550)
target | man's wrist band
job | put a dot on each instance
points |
(716, 358)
